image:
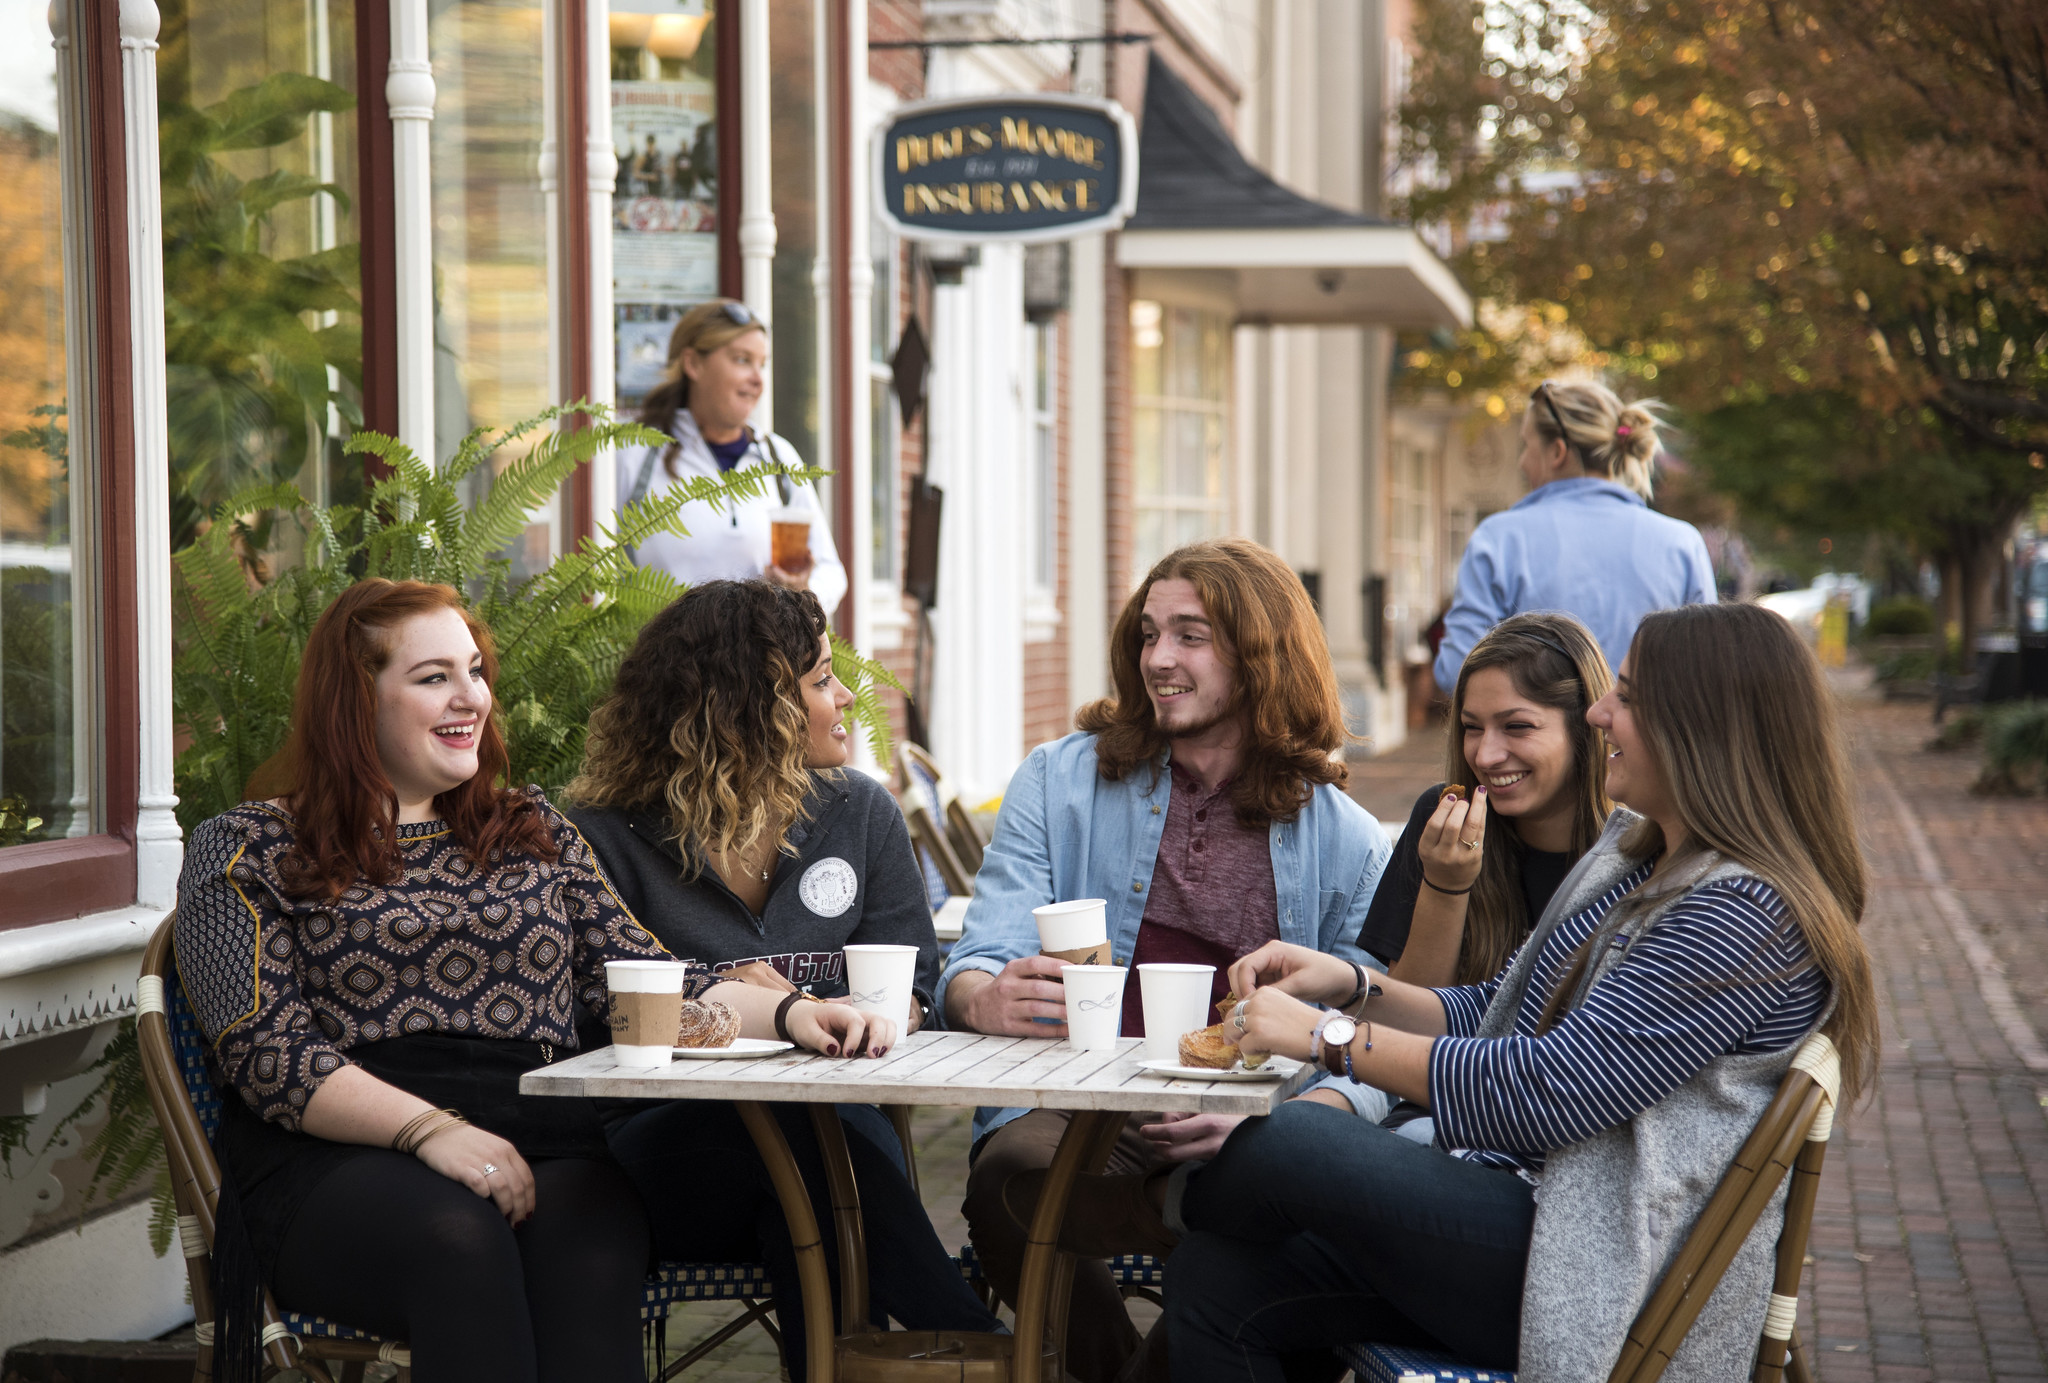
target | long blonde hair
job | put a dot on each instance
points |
(1732, 704)
(706, 722)
(1554, 661)
(1610, 438)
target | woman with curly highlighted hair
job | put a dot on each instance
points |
(711, 789)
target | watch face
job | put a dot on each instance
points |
(1339, 1031)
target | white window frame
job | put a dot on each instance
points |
(1041, 448)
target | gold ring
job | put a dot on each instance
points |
(1469, 844)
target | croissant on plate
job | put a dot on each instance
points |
(707, 1023)
(1208, 1047)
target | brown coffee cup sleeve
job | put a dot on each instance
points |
(1098, 954)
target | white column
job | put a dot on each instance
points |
(157, 850)
(601, 166)
(757, 210)
(859, 466)
(78, 416)
(409, 91)
(821, 262)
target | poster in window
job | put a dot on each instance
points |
(665, 201)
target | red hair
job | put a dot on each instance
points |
(347, 809)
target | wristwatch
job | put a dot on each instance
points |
(1335, 1035)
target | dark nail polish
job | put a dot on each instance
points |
(832, 1050)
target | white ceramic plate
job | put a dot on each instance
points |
(741, 1046)
(1278, 1068)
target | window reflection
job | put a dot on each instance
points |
(41, 781)
(1180, 369)
(665, 204)
(490, 238)
(263, 326)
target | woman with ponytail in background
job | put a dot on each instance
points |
(1584, 539)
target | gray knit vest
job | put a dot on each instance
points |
(1613, 1210)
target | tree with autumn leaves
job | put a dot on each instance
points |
(1817, 227)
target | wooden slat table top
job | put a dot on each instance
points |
(942, 1068)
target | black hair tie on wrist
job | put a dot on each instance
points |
(1451, 892)
(782, 1014)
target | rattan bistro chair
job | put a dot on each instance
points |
(1791, 1137)
(187, 1109)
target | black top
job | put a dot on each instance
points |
(1385, 933)
(853, 878)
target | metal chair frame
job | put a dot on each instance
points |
(185, 1104)
(917, 774)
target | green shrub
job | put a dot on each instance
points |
(1901, 617)
(2015, 755)
(1912, 666)
(1965, 726)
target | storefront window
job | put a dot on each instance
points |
(262, 311)
(1180, 368)
(1042, 457)
(793, 136)
(42, 691)
(665, 209)
(490, 236)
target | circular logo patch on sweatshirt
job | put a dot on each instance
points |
(828, 887)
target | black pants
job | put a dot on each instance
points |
(1313, 1228)
(388, 1245)
(709, 1200)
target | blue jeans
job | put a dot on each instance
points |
(1313, 1229)
(709, 1200)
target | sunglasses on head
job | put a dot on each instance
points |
(737, 314)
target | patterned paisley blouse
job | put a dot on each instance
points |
(285, 987)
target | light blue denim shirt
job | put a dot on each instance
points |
(1588, 547)
(1065, 832)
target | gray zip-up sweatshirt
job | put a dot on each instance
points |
(853, 879)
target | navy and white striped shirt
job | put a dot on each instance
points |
(1724, 971)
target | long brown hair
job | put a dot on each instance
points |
(706, 723)
(1554, 661)
(703, 329)
(1733, 707)
(1286, 691)
(346, 810)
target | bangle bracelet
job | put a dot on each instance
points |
(448, 1123)
(401, 1141)
(1451, 892)
(782, 1009)
(1359, 989)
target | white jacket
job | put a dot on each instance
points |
(727, 542)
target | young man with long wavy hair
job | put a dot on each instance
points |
(1202, 799)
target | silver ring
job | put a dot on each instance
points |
(490, 1170)
(1237, 1015)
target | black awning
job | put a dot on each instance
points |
(1191, 175)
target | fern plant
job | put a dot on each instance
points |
(560, 633)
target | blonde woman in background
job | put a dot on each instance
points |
(1584, 539)
(717, 357)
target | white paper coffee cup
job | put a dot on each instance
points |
(1070, 926)
(1176, 1001)
(1095, 1005)
(879, 979)
(647, 1008)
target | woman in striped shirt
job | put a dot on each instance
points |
(1711, 929)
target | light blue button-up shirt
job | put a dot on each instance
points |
(1588, 547)
(1065, 833)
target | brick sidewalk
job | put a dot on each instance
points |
(1930, 1246)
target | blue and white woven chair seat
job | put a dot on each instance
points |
(673, 1282)
(1397, 1364)
(1128, 1269)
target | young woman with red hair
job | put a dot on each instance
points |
(375, 956)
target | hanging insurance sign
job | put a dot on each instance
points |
(1024, 168)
